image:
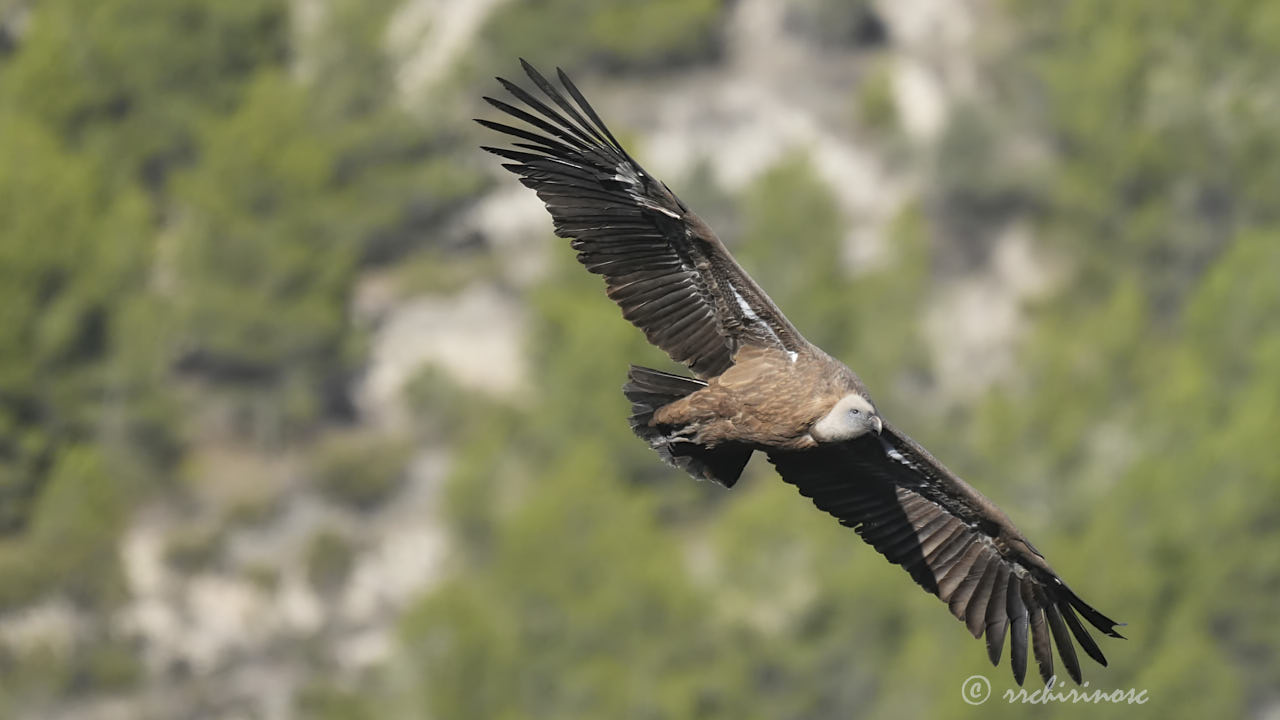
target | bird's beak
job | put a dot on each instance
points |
(879, 425)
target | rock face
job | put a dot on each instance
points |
(978, 317)
(475, 336)
(236, 624)
(232, 625)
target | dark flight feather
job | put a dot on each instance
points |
(630, 228)
(955, 543)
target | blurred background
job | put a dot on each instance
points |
(304, 413)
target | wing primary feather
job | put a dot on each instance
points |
(1018, 618)
(975, 613)
(618, 236)
(902, 547)
(967, 596)
(537, 122)
(956, 574)
(872, 511)
(590, 111)
(884, 535)
(555, 117)
(947, 554)
(933, 526)
(526, 158)
(550, 91)
(997, 618)
(1095, 618)
(940, 539)
(574, 197)
(1040, 645)
(526, 135)
(1082, 635)
(1061, 637)
(673, 330)
(559, 177)
(618, 265)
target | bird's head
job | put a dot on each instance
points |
(852, 416)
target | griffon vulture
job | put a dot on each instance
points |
(762, 386)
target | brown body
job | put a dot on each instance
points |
(769, 398)
(761, 386)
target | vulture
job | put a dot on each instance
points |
(760, 386)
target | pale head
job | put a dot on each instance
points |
(852, 416)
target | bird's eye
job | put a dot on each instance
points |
(854, 411)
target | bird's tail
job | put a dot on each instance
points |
(649, 390)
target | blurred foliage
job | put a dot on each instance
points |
(360, 469)
(593, 635)
(184, 207)
(609, 34)
(263, 577)
(445, 413)
(130, 81)
(68, 545)
(792, 240)
(1163, 118)
(109, 665)
(324, 701)
(194, 548)
(985, 171)
(835, 22)
(329, 559)
(876, 107)
(263, 257)
(73, 259)
(444, 271)
(191, 189)
(100, 662)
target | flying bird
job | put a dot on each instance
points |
(762, 387)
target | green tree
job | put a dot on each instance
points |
(72, 274)
(542, 631)
(129, 80)
(263, 259)
(613, 34)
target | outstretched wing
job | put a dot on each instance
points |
(671, 275)
(953, 541)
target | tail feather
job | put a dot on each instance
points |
(648, 390)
